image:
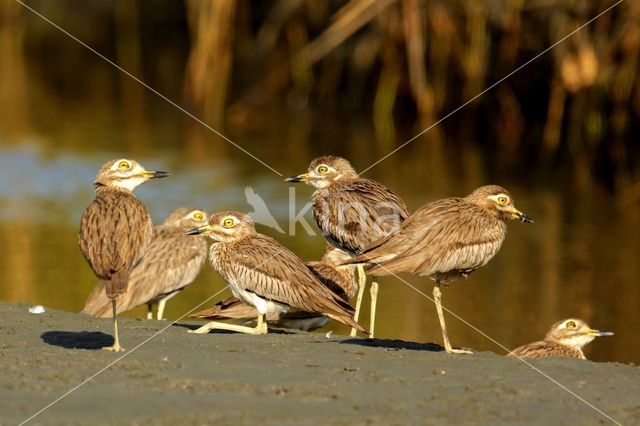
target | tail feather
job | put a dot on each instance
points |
(231, 308)
(348, 321)
(117, 284)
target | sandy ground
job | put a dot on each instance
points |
(284, 378)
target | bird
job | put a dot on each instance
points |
(263, 273)
(566, 338)
(116, 229)
(445, 240)
(260, 213)
(352, 213)
(171, 262)
(339, 279)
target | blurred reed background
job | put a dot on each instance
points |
(291, 79)
(394, 66)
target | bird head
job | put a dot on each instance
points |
(187, 217)
(125, 174)
(323, 171)
(226, 226)
(497, 199)
(574, 332)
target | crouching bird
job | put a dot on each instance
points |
(566, 338)
(339, 279)
(266, 275)
(116, 229)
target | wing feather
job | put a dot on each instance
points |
(171, 262)
(446, 235)
(353, 214)
(115, 230)
(264, 267)
(543, 349)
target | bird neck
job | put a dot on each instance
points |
(575, 341)
(236, 239)
(101, 188)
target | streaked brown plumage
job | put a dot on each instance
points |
(264, 274)
(445, 240)
(171, 262)
(116, 229)
(339, 279)
(336, 277)
(352, 212)
(566, 338)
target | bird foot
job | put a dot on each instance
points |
(259, 329)
(114, 348)
(202, 330)
(458, 351)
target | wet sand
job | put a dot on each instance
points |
(284, 378)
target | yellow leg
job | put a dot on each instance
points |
(161, 304)
(362, 282)
(437, 297)
(260, 328)
(149, 311)
(374, 301)
(116, 344)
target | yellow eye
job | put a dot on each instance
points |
(570, 325)
(323, 170)
(123, 165)
(502, 200)
(198, 216)
(228, 223)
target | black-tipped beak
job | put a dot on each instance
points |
(525, 219)
(158, 175)
(194, 231)
(300, 178)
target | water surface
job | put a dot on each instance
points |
(579, 259)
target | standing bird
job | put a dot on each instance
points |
(445, 240)
(264, 274)
(171, 262)
(566, 338)
(339, 279)
(352, 213)
(116, 229)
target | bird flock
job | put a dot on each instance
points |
(368, 231)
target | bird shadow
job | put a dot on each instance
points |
(393, 344)
(91, 340)
(196, 326)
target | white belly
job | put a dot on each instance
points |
(263, 306)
